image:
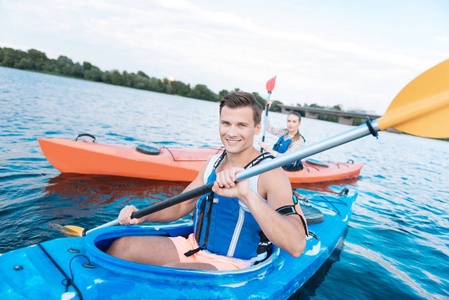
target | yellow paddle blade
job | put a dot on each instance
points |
(73, 231)
(422, 107)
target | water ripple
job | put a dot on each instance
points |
(396, 246)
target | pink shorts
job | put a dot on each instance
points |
(221, 262)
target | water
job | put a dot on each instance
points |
(397, 242)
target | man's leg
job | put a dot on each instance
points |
(192, 266)
(152, 250)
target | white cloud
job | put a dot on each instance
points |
(222, 49)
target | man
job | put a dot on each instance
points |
(236, 222)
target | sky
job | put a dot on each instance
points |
(357, 54)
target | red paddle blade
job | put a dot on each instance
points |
(271, 83)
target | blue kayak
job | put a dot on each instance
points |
(78, 268)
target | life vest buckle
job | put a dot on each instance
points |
(193, 251)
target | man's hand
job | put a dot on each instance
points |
(226, 186)
(124, 217)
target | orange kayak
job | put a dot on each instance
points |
(171, 164)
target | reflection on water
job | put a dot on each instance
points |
(85, 196)
(105, 190)
(82, 200)
(80, 197)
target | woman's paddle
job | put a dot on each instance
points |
(421, 108)
(270, 87)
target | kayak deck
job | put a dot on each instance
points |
(171, 164)
(313, 173)
(97, 275)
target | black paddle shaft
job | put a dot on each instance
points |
(173, 201)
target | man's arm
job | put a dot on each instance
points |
(286, 232)
(169, 214)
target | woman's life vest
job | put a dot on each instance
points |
(224, 225)
(281, 146)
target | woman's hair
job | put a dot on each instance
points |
(297, 135)
(243, 99)
(296, 114)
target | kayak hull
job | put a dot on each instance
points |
(99, 276)
(171, 164)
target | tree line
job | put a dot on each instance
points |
(330, 117)
(35, 60)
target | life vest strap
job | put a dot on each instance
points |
(207, 212)
(193, 251)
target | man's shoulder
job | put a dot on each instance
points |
(277, 174)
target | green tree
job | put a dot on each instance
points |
(156, 85)
(180, 88)
(260, 99)
(38, 59)
(94, 74)
(275, 106)
(116, 78)
(106, 78)
(65, 65)
(87, 66)
(140, 73)
(142, 83)
(77, 70)
(51, 66)
(10, 57)
(222, 93)
(24, 64)
(200, 91)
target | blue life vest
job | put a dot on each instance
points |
(281, 146)
(225, 226)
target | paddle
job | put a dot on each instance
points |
(270, 87)
(421, 108)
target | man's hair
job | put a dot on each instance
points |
(243, 99)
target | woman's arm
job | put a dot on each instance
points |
(275, 131)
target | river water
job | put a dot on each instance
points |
(397, 242)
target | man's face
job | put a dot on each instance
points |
(237, 128)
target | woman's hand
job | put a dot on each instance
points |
(264, 146)
(124, 217)
(268, 104)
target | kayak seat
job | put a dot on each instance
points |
(293, 168)
(148, 150)
(313, 215)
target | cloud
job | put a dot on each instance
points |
(222, 49)
(442, 38)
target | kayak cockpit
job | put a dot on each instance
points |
(98, 241)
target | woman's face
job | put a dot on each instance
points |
(293, 123)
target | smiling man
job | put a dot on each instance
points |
(236, 223)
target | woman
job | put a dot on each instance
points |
(289, 139)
